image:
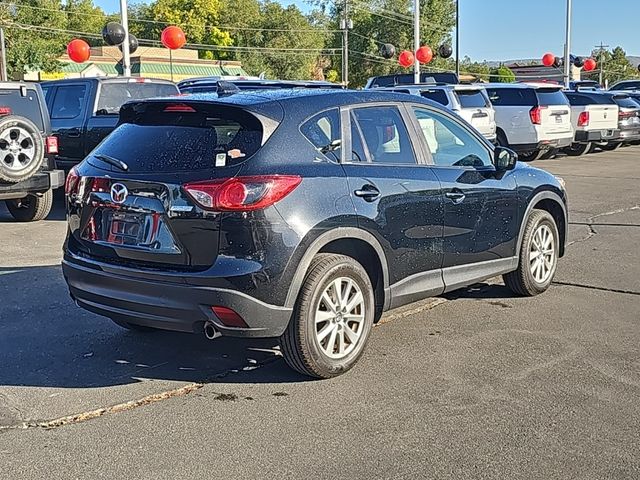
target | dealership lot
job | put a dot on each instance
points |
(478, 384)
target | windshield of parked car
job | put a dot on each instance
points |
(115, 94)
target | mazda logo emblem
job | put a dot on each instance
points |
(119, 193)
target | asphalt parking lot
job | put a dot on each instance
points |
(475, 385)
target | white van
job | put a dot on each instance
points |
(531, 118)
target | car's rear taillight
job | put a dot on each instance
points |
(100, 184)
(242, 194)
(71, 183)
(623, 115)
(583, 119)
(51, 145)
(5, 111)
(536, 115)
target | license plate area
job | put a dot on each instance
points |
(126, 228)
(558, 119)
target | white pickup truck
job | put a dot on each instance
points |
(594, 120)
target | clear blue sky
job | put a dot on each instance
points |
(510, 29)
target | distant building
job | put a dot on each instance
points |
(540, 73)
(151, 62)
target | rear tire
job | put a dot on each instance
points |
(31, 208)
(577, 149)
(530, 156)
(332, 319)
(610, 147)
(538, 258)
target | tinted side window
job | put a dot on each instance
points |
(625, 101)
(551, 96)
(450, 143)
(471, 98)
(68, 101)
(512, 97)
(385, 135)
(322, 130)
(115, 94)
(436, 95)
(357, 149)
(626, 86)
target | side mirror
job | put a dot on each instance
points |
(504, 159)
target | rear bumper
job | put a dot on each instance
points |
(584, 136)
(543, 144)
(169, 305)
(629, 135)
(39, 183)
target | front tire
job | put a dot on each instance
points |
(31, 208)
(538, 257)
(332, 319)
(610, 147)
(577, 149)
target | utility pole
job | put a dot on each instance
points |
(601, 50)
(567, 47)
(126, 57)
(458, 39)
(416, 40)
(3, 54)
(346, 24)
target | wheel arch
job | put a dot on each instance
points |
(552, 203)
(353, 242)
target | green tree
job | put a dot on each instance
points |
(616, 66)
(502, 74)
(33, 35)
(480, 70)
(84, 16)
(389, 21)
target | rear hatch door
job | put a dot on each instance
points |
(602, 117)
(555, 110)
(129, 205)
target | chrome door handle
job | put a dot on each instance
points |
(455, 196)
(368, 192)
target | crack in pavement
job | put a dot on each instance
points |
(590, 223)
(605, 224)
(132, 404)
(594, 287)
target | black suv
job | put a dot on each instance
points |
(301, 215)
(27, 173)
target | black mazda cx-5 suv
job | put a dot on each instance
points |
(301, 215)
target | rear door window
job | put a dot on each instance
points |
(323, 131)
(13, 103)
(512, 97)
(113, 95)
(385, 135)
(471, 98)
(436, 95)
(551, 96)
(68, 102)
(167, 138)
(625, 101)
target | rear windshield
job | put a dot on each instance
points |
(115, 94)
(167, 141)
(625, 101)
(472, 98)
(512, 97)
(436, 95)
(626, 86)
(13, 103)
(551, 96)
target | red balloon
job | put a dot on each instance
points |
(424, 54)
(78, 50)
(173, 37)
(590, 64)
(548, 59)
(406, 58)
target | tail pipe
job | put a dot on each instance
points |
(210, 331)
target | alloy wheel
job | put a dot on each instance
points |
(542, 256)
(17, 149)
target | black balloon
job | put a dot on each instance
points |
(113, 33)
(445, 51)
(639, 68)
(557, 62)
(133, 43)
(578, 62)
(387, 50)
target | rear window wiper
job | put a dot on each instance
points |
(112, 161)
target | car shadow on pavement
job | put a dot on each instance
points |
(57, 211)
(46, 341)
(482, 291)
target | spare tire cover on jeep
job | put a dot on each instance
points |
(21, 149)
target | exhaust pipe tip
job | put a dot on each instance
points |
(210, 331)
